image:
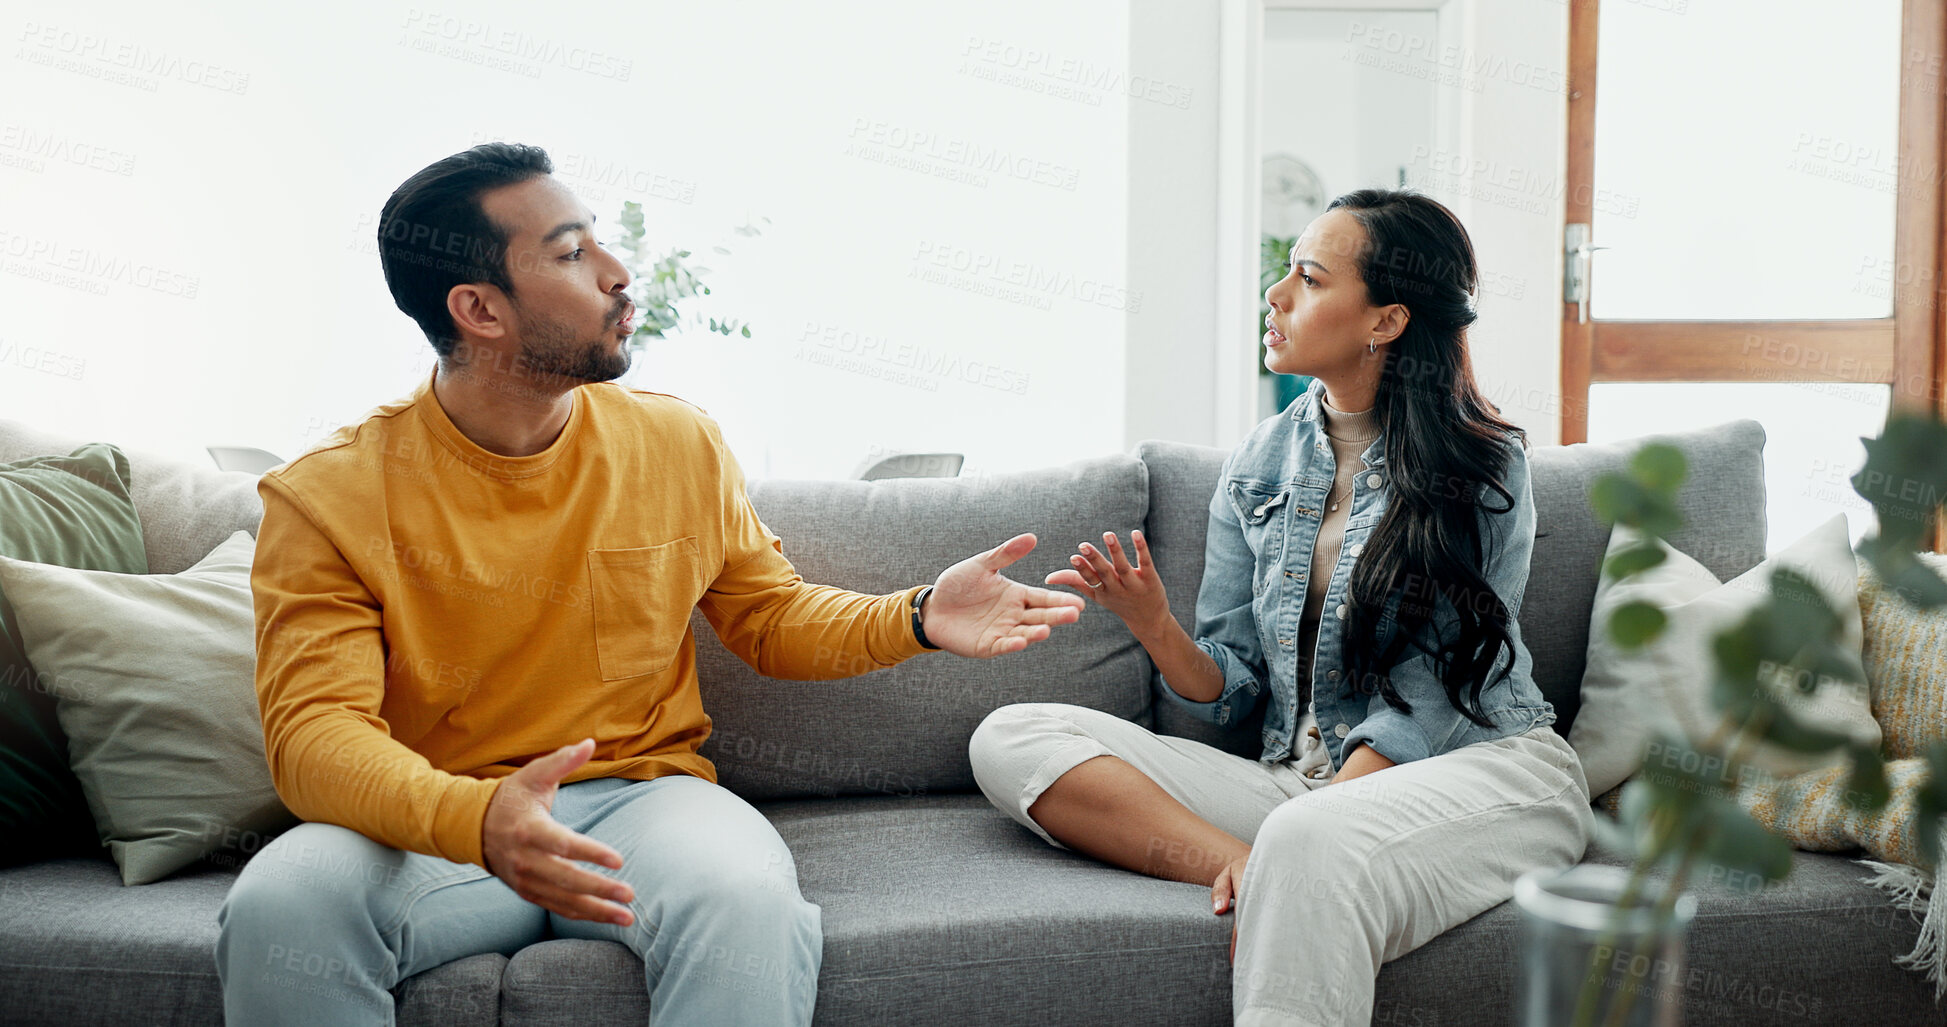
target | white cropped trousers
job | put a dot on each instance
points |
(1341, 877)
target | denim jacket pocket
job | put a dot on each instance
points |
(1258, 505)
(1256, 502)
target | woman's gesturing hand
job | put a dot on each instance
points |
(1133, 592)
(1224, 893)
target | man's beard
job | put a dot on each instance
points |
(551, 348)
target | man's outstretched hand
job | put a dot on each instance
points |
(527, 848)
(976, 611)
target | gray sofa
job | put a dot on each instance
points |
(937, 908)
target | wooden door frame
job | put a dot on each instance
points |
(1907, 350)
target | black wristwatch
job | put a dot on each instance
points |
(919, 633)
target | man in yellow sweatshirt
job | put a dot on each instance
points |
(474, 659)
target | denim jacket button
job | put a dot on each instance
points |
(1357, 548)
(1372, 481)
(1340, 612)
(1332, 676)
(1341, 730)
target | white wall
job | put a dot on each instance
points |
(1357, 125)
(1168, 349)
(1497, 67)
(186, 209)
(214, 279)
(1507, 184)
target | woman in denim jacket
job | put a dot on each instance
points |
(1409, 772)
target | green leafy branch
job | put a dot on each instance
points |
(1274, 259)
(1681, 810)
(663, 279)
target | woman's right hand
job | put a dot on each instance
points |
(1133, 592)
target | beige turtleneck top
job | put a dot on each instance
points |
(1350, 433)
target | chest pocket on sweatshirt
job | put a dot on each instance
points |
(642, 600)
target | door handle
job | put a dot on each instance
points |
(1575, 268)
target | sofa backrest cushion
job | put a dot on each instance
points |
(70, 510)
(1182, 478)
(187, 510)
(903, 730)
(1722, 501)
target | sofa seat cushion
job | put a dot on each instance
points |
(940, 910)
(1817, 947)
(77, 948)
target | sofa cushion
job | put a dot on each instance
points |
(1722, 502)
(1182, 478)
(1817, 947)
(903, 730)
(961, 916)
(159, 703)
(77, 948)
(62, 511)
(1664, 687)
(1904, 650)
(186, 508)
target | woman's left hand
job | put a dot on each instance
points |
(1226, 891)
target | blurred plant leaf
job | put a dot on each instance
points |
(1931, 803)
(1634, 559)
(1636, 622)
(1659, 466)
(1621, 499)
(1911, 580)
(1905, 475)
(1866, 787)
(1736, 842)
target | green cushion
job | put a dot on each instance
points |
(69, 511)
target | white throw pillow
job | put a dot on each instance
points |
(155, 685)
(1629, 695)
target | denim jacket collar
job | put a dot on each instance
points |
(1265, 518)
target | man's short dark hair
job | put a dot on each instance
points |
(433, 234)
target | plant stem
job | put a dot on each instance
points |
(1591, 994)
(1666, 905)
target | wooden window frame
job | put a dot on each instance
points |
(1904, 350)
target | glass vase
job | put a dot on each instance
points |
(1587, 961)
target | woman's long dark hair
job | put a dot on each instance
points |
(1446, 448)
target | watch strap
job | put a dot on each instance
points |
(919, 632)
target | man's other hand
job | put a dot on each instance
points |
(975, 610)
(527, 848)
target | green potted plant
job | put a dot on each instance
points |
(1274, 255)
(667, 286)
(1595, 938)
